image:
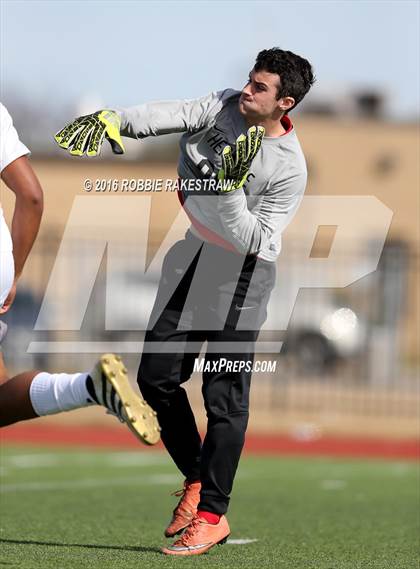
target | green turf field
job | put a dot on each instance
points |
(72, 509)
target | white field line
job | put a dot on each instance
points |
(117, 460)
(400, 469)
(31, 461)
(88, 483)
(338, 472)
(122, 459)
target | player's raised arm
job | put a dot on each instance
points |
(165, 117)
(85, 135)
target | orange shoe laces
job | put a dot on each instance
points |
(190, 532)
(181, 493)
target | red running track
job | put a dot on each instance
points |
(119, 437)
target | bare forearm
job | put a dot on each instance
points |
(21, 179)
(25, 226)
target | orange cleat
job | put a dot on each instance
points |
(199, 537)
(186, 509)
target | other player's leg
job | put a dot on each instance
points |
(36, 394)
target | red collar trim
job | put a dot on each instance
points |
(286, 123)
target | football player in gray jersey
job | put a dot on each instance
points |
(241, 153)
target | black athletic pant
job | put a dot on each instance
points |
(205, 294)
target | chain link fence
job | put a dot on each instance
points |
(347, 354)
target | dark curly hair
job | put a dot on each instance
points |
(295, 72)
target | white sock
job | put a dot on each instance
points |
(55, 392)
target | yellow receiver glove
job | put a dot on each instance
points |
(236, 166)
(87, 133)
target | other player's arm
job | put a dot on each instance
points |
(21, 179)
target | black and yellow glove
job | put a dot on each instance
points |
(87, 133)
(236, 166)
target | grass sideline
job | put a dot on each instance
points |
(71, 508)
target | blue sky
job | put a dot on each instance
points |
(126, 52)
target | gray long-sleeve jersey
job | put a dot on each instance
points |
(250, 219)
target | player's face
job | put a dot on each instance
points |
(259, 96)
